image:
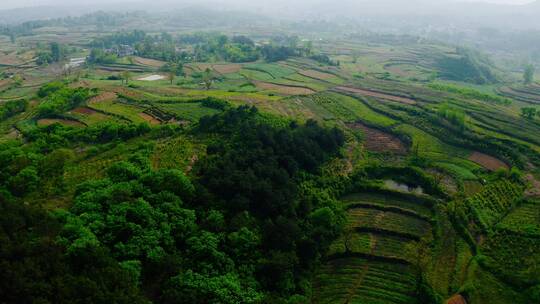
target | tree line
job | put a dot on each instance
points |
(247, 226)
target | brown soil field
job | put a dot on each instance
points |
(457, 299)
(128, 92)
(201, 67)
(4, 83)
(380, 142)
(148, 62)
(316, 74)
(10, 59)
(102, 97)
(150, 119)
(84, 110)
(48, 122)
(377, 95)
(189, 70)
(283, 89)
(488, 162)
(227, 68)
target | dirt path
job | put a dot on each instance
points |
(377, 95)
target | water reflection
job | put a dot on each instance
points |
(393, 185)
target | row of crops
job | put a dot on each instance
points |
(357, 280)
(512, 250)
(482, 211)
(528, 94)
(374, 260)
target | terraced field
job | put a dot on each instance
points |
(529, 94)
(357, 281)
(379, 141)
(375, 94)
(374, 261)
(120, 110)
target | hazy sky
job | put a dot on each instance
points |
(24, 3)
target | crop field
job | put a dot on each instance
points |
(488, 162)
(321, 76)
(371, 262)
(190, 111)
(89, 116)
(527, 94)
(374, 94)
(283, 89)
(341, 107)
(354, 280)
(121, 110)
(387, 200)
(275, 71)
(486, 208)
(381, 142)
(362, 218)
(148, 62)
(49, 121)
(523, 219)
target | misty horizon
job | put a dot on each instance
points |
(14, 4)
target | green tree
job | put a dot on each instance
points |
(24, 182)
(191, 287)
(57, 52)
(171, 75)
(126, 76)
(528, 75)
(17, 80)
(208, 78)
(528, 112)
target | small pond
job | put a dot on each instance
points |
(393, 185)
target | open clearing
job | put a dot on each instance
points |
(152, 77)
(377, 95)
(488, 162)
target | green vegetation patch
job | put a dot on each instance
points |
(485, 209)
